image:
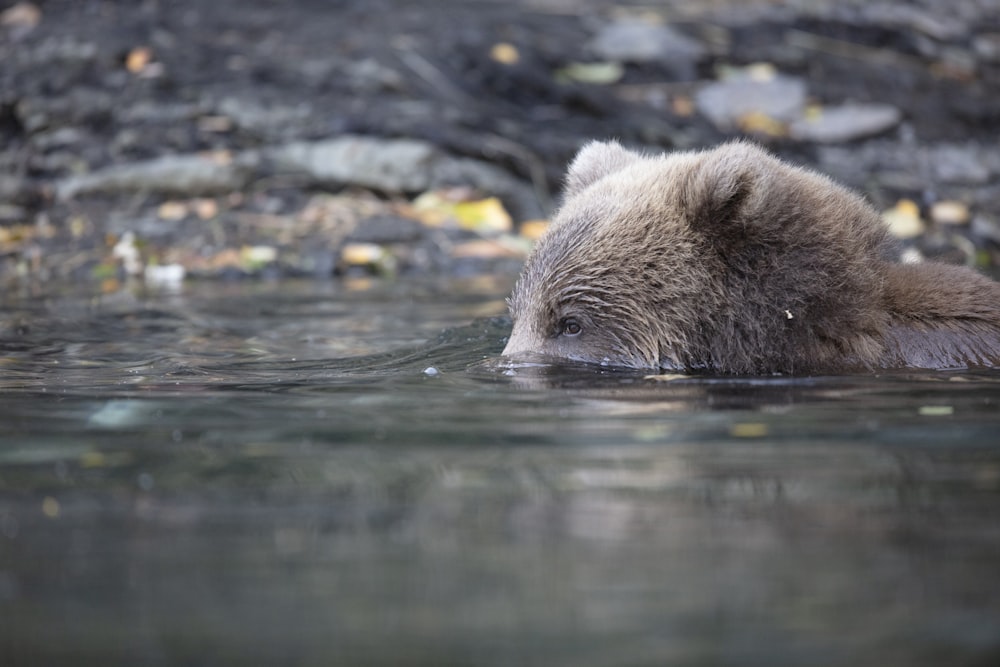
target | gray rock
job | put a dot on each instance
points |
(274, 120)
(987, 47)
(631, 40)
(392, 165)
(385, 229)
(399, 165)
(962, 164)
(986, 227)
(726, 102)
(846, 123)
(387, 165)
(173, 174)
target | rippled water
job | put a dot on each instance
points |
(318, 474)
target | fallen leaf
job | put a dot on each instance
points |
(362, 254)
(504, 53)
(601, 73)
(936, 410)
(206, 209)
(256, 256)
(756, 122)
(748, 430)
(484, 215)
(904, 219)
(436, 208)
(533, 229)
(370, 255)
(138, 59)
(172, 210)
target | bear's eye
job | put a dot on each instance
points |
(569, 327)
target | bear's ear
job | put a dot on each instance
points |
(716, 192)
(595, 161)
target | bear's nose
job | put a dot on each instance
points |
(519, 343)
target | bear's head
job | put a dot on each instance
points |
(725, 260)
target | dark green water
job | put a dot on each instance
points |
(269, 474)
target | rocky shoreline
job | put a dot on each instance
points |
(177, 140)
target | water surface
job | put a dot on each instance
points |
(330, 473)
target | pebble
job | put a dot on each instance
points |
(845, 123)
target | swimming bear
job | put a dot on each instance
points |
(731, 261)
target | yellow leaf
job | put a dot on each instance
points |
(258, 255)
(138, 59)
(439, 207)
(432, 208)
(756, 122)
(533, 229)
(904, 219)
(362, 254)
(748, 430)
(505, 53)
(485, 215)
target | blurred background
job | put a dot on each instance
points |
(167, 139)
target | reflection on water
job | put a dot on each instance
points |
(273, 475)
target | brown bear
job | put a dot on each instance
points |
(731, 261)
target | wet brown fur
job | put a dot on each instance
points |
(731, 261)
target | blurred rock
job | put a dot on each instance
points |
(385, 229)
(636, 41)
(726, 102)
(845, 123)
(392, 165)
(986, 227)
(173, 174)
(987, 46)
(918, 20)
(962, 164)
(399, 165)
